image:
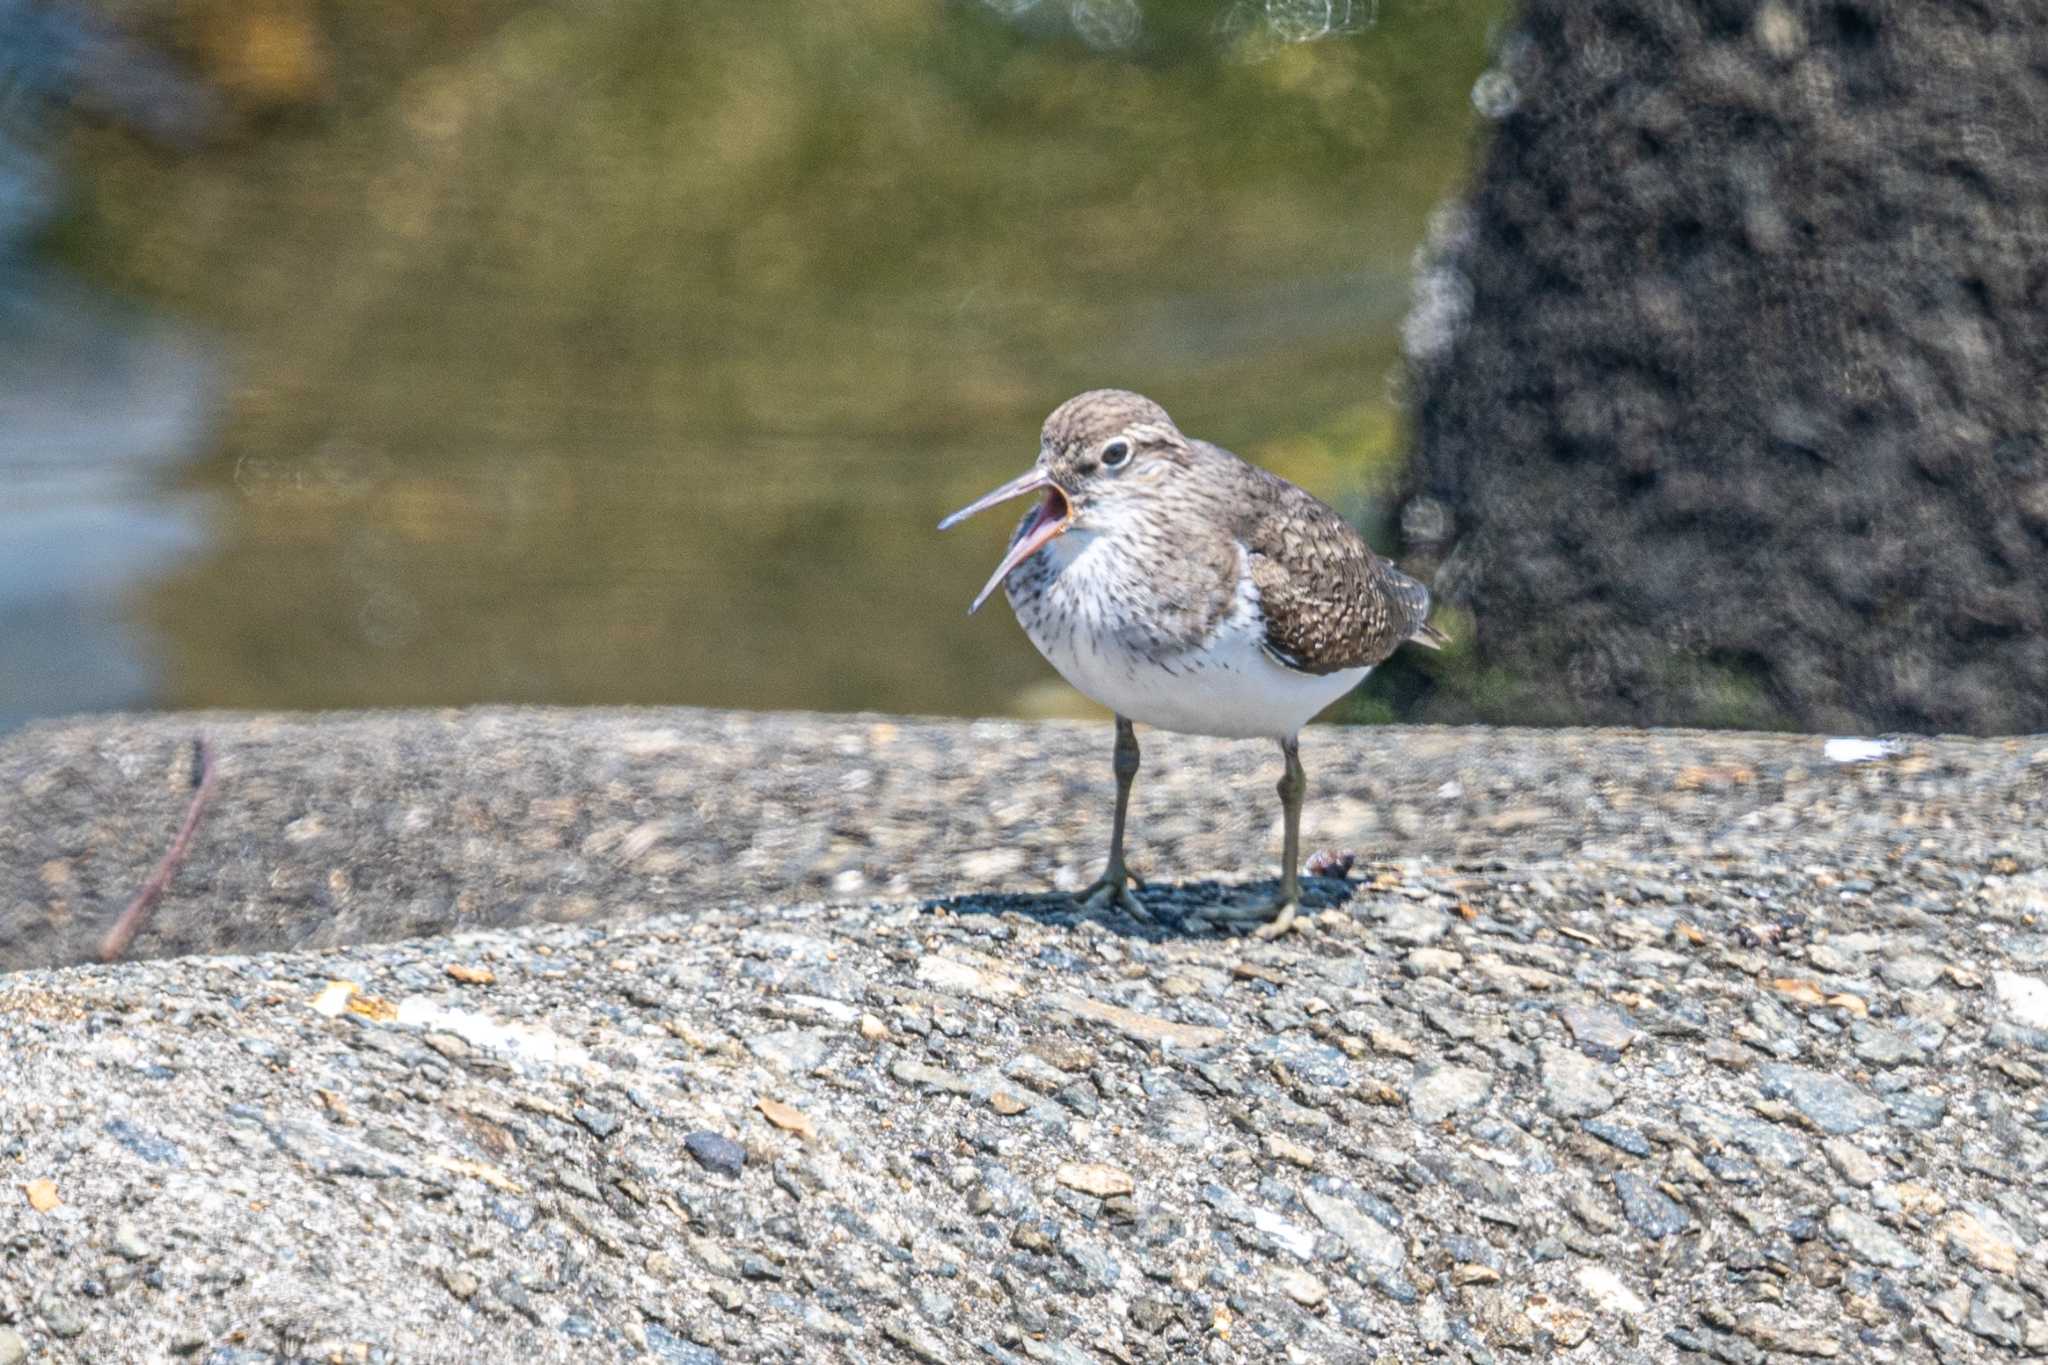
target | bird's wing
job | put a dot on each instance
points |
(1329, 602)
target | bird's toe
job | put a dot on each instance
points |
(1286, 919)
(1114, 893)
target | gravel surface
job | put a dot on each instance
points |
(1614, 1046)
(349, 828)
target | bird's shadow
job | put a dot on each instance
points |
(1175, 908)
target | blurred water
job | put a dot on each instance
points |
(97, 399)
(628, 353)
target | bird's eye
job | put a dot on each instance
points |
(1115, 453)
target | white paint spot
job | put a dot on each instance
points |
(1850, 750)
(2024, 997)
(536, 1045)
(1606, 1290)
(1296, 1239)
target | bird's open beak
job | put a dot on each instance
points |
(1054, 515)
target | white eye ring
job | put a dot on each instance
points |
(1115, 453)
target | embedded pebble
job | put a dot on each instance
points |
(1832, 1103)
(1573, 1087)
(1881, 1046)
(1371, 1243)
(1851, 1162)
(1447, 1090)
(1410, 925)
(1601, 1028)
(129, 1243)
(1869, 1240)
(1304, 1288)
(1092, 1177)
(1654, 1213)
(1618, 1136)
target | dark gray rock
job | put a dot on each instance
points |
(600, 1123)
(716, 1152)
(1881, 1046)
(1916, 1109)
(1618, 1136)
(1726, 380)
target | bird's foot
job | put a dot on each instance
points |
(1112, 891)
(1274, 917)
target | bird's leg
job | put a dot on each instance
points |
(1280, 912)
(1112, 888)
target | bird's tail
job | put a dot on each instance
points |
(1429, 637)
(1414, 598)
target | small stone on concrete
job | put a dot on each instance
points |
(1448, 1090)
(1649, 1209)
(1869, 1240)
(716, 1152)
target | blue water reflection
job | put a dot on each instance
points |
(99, 402)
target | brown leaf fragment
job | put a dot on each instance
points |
(42, 1194)
(788, 1118)
(472, 975)
(1800, 990)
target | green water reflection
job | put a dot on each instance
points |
(629, 352)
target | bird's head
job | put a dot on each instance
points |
(1097, 454)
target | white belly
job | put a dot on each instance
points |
(1227, 685)
(1234, 689)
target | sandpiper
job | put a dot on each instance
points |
(1180, 586)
